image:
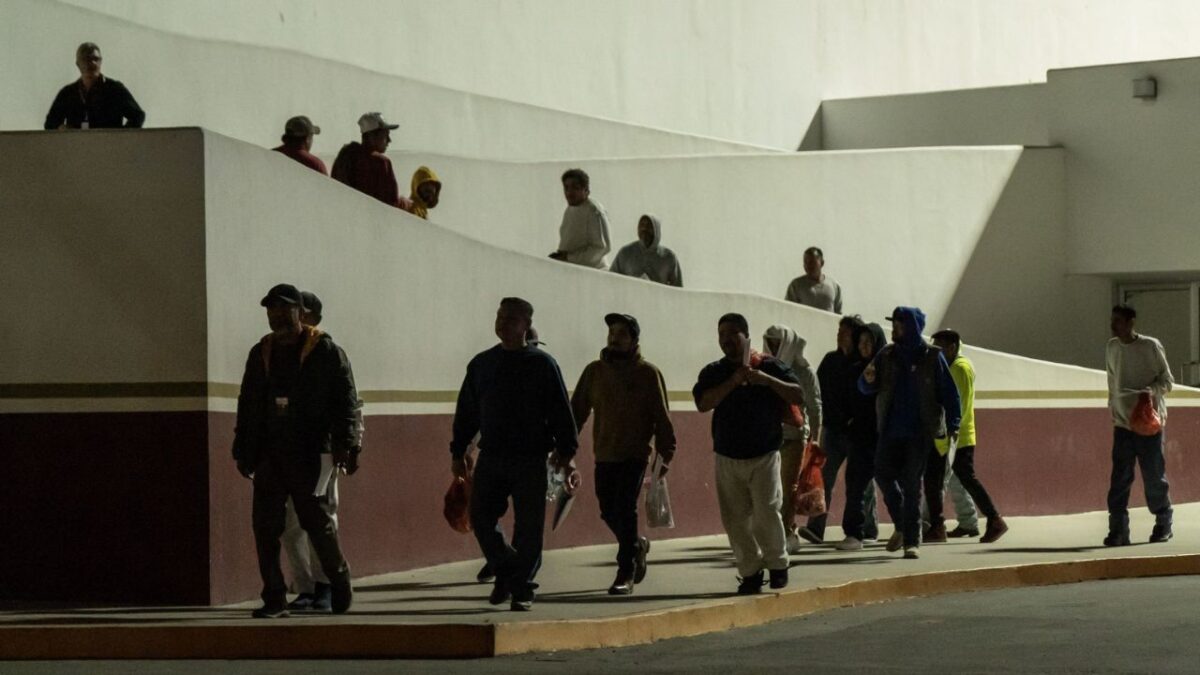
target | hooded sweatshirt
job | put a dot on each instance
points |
(791, 352)
(654, 262)
(629, 397)
(583, 235)
(863, 427)
(917, 396)
(418, 206)
(368, 172)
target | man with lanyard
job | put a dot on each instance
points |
(93, 101)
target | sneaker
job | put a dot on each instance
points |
(341, 597)
(271, 610)
(500, 593)
(961, 532)
(912, 552)
(750, 585)
(936, 534)
(639, 562)
(623, 584)
(810, 536)
(779, 579)
(996, 527)
(322, 598)
(486, 574)
(871, 540)
(793, 543)
(1116, 539)
(522, 601)
(302, 603)
(850, 544)
(896, 542)
(1161, 533)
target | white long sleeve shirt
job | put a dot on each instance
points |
(1133, 368)
(583, 235)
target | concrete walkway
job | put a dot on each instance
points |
(442, 611)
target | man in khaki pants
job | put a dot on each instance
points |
(748, 405)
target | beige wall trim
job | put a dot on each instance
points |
(106, 390)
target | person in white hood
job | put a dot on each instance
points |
(784, 344)
(647, 257)
(583, 236)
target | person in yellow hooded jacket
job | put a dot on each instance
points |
(426, 190)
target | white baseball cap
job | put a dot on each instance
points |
(372, 121)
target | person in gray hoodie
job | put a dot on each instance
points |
(784, 344)
(647, 258)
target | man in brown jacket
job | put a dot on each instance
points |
(630, 400)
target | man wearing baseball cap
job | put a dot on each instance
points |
(297, 403)
(629, 397)
(297, 143)
(364, 167)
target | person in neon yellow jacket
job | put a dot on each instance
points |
(963, 462)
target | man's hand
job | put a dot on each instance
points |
(245, 468)
(458, 467)
(567, 466)
(742, 375)
(346, 460)
(759, 378)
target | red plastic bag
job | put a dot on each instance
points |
(458, 505)
(790, 413)
(810, 486)
(1145, 420)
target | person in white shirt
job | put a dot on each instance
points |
(1136, 365)
(583, 236)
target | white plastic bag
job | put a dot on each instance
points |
(658, 499)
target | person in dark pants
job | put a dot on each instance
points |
(629, 397)
(1137, 366)
(296, 425)
(838, 376)
(93, 101)
(916, 402)
(864, 438)
(963, 463)
(513, 396)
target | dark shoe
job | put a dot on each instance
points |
(302, 603)
(500, 593)
(623, 584)
(811, 536)
(751, 585)
(960, 532)
(322, 598)
(779, 579)
(896, 542)
(341, 597)
(1116, 539)
(639, 562)
(996, 527)
(271, 611)
(486, 574)
(522, 601)
(1161, 534)
(936, 534)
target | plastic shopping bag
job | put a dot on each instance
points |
(458, 505)
(658, 499)
(1145, 420)
(810, 486)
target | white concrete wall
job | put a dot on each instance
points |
(100, 257)
(247, 92)
(897, 226)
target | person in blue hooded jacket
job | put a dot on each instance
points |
(916, 401)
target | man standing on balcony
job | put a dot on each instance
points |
(583, 236)
(93, 101)
(1136, 365)
(814, 288)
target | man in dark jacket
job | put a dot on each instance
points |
(630, 399)
(916, 401)
(364, 167)
(295, 427)
(93, 101)
(514, 397)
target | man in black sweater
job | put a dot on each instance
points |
(93, 101)
(515, 398)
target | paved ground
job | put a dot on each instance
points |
(682, 572)
(1128, 626)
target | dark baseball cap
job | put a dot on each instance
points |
(300, 127)
(286, 293)
(634, 329)
(311, 302)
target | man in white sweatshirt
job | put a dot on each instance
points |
(583, 235)
(1136, 364)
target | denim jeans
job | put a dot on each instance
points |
(1147, 452)
(899, 466)
(839, 447)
